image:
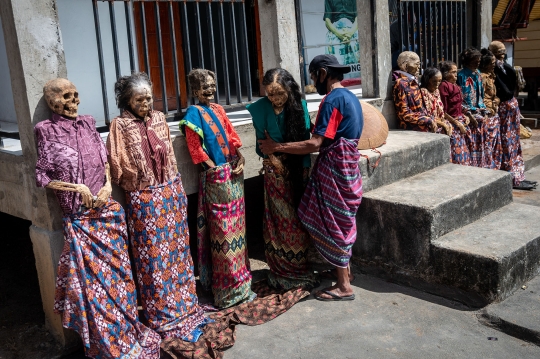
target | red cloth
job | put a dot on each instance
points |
(154, 149)
(194, 142)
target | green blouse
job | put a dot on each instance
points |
(264, 118)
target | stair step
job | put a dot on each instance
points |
(493, 256)
(397, 222)
(405, 154)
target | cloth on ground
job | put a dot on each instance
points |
(220, 335)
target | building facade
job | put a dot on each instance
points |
(93, 42)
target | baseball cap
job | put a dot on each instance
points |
(327, 61)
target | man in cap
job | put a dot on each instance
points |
(334, 191)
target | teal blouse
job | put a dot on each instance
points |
(264, 118)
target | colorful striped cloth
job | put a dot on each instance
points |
(95, 290)
(512, 159)
(329, 205)
(221, 236)
(285, 239)
(157, 219)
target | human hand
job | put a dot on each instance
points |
(268, 146)
(466, 120)
(448, 129)
(103, 195)
(87, 197)
(462, 128)
(240, 164)
(433, 126)
(210, 163)
(473, 121)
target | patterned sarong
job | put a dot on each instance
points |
(160, 243)
(95, 290)
(221, 236)
(458, 145)
(512, 159)
(492, 143)
(329, 205)
(285, 239)
(475, 142)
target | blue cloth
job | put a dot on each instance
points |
(207, 131)
(265, 119)
(472, 89)
(340, 116)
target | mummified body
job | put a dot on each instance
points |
(95, 291)
(221, 227)
(143, 164)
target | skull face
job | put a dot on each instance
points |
(207, 91)
(62, 97)
(141, 101)
(277, 95)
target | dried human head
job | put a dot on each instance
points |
(470, 58)
(62, 97)
(498, 49)
(431, 79)
(409, 62)
(449, 71)
(487, 61)
(202, 83)
(134, 93)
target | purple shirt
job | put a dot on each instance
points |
(70, 151)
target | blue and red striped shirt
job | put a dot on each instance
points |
(340, 115)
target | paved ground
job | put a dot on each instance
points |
(385, 320)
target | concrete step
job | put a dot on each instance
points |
(531, 150)
(397, 222)
(405, 154)
(493, 256)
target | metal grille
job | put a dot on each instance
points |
(168, 38)
(435, 30)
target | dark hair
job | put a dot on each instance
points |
(197, 77)
(468, 55)
(445, 67)
(334, 74)
(429, 73)
(486, 59)
(123, 88)
(295, 124)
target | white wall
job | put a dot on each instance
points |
(80, 46)
(7, 106)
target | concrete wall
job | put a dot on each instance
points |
(80, 48)
(279, 44)
(7, 107)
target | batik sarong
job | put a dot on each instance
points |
(475, 142)
(221, 236)
(286, 242)
(95, 290)
(492, 142)
(157, 219)
(459, 150)
(331, 200)
(512, 159)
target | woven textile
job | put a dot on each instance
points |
(285, 239)
(95, 290)
(221, 236)
(160, 243)
(512, 159)
(492, 142)
(459, 150)
(475, 142)
(331, 200)
(221, 335)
